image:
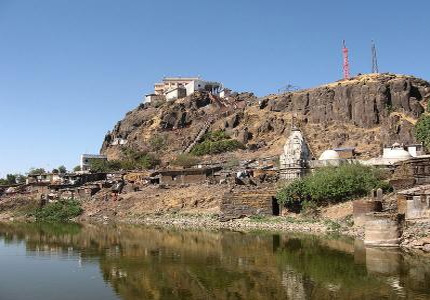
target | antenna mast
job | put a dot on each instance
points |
(375, 68)
(345, 61)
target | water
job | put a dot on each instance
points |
(41, 261)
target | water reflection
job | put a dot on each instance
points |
(153, 263)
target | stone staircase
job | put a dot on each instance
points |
(199, 135)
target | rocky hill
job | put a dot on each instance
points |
(365, 112)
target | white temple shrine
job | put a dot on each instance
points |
(294, 162)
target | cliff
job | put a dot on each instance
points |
(365, 112)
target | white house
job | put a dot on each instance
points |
(202, 85)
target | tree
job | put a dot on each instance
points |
(62, 169)
(77, 169)
(157, 142)
(422, 130)
(34, 171)
(12, 179)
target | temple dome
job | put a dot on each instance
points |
(329, 154)
(396, 152)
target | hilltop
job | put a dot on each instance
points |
(366, 112)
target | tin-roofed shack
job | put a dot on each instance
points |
(187, 176)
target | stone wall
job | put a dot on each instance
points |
(248, 203)
(183, 179)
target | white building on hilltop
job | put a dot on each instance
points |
(172, 88)
(295, 160)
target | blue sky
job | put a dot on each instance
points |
(70, 69)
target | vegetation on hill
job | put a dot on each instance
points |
(185, 160)
(133, 160)
(215, 142)
(332, 185)
(61, 211)
(12, 179)
(422, 130)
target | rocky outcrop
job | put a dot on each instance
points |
(364, 101)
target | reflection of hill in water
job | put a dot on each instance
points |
(150, 263)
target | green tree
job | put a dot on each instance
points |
(422, 130)
(157, 143)
(34, 171)
(62, 169)
(77, 169)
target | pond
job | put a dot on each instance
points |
(71, 261)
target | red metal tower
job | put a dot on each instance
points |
(345, 61)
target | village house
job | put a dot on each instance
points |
(187, 176)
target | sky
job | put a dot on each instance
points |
(71, 69)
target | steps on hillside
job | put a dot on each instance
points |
(199, 136)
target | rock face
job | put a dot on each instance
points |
(365, 101)
(365, 112)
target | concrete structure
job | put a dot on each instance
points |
(415, 202)
(395, 153)
(382, 230)
(187, 176)
(329, 155)
(345, 152)
(47, 178)
(118, 142)
(152, 98)
(360, 209)
(172, 88)
(296, 156)
(202, 85)
(176, 93)
(247, 203)
(416, 150)
(85, 162)
(170, 83)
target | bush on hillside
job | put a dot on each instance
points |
(422, 130)
(61, 211)
(215, 142)
(133, 161)
(332, 185)
(208, 147)
(185, 160)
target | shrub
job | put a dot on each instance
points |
(61, 211)
(332, 185)
(185, 160)
(134, 160)
(208, 147)
(37, 171)
(422, 130)
(157, 143)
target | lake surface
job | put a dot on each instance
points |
(46, 261)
